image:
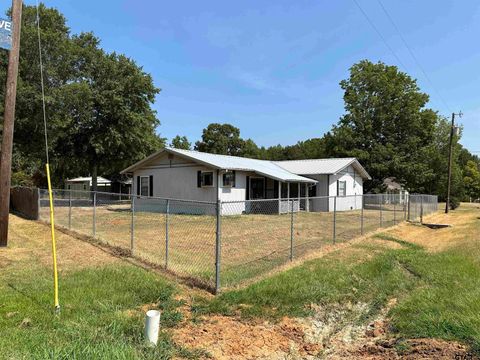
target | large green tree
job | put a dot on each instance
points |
(386, 124)
(221, 139)
(108, 105)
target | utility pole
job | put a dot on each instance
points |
(452, 133)
(8, 121)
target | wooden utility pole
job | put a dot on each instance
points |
(8, 121)
(452, 133)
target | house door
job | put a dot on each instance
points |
(257, 188)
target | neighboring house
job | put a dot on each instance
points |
(192, 175)
(85, 184)
(395, 192)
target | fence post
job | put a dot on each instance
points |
(70, 209)
(132, 226)
(39, 204)
(218, 239)
(167, 212)
(291, 232)
(334, 218)
(94, 230)
(381, 203)
(421, 209)
(408, 206)
(394, 213)
(361, 215)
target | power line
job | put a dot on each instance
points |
(380, 34)
(413, 55)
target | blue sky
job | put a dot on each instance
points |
(272, 68)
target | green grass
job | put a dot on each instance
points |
(101, 318)
(437, 292)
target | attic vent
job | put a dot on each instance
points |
(170, 156)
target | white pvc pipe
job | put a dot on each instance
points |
(152, 326)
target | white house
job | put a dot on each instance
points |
(192, 175)
(85, 184)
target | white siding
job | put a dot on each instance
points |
(321, 190)
(176, 178)
(354, 186)
(237, 193)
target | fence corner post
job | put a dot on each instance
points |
(334, 219)
(132, 226)
(291, 231)
(167, 213)
(218, 239)
(94, 227)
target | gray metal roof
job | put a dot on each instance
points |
(322, 166)
(288, 171)
(225, 162)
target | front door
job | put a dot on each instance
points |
(257, 188)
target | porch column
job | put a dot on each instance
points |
(279, 197)
(307, 201)
(299, 195)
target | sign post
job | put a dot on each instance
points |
(9, 39)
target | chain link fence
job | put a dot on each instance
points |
(225, 244)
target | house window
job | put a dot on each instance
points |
(144, 185)
(341, 188)
(229, 179)
(207, 178)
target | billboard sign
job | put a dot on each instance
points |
(6, 34)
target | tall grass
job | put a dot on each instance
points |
(101, 317)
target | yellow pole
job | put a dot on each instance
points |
(54, 247)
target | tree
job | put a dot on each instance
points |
(108, 104)
(221, 139)
(386, 125)
(98, 105)
(181, 142)
(472, 179)
(29, 150)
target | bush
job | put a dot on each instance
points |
(454, 203)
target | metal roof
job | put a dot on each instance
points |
(100, 180)
(226, 162)
(322, 166)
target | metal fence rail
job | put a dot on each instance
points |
(223, 244)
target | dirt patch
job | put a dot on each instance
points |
(408, 349)
(231, 338)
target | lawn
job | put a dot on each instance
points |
(103, 302)
(251, 245)
(434, 275)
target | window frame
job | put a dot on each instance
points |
(148, 185)
(344, 188)
(202, 179)
(232, 180)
